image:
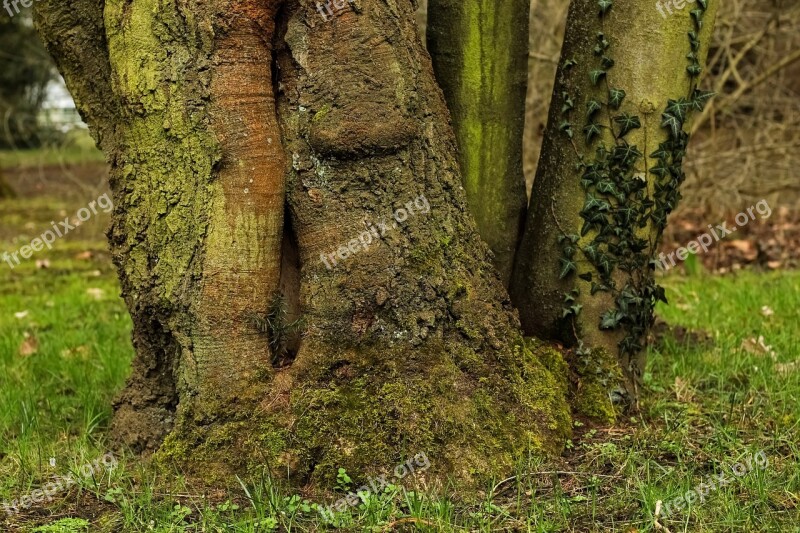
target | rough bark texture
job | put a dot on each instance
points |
(608, 176)
(480, 55)
(408, 345)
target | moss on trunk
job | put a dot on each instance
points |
(480, 56)
(608, 177)
(229, 113)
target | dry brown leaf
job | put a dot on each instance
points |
(758, 347)
(29, 345)
(683, 390)
(767, 311)
(95, 293)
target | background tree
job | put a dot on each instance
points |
(216, 116)
(25, 72)
(608, 177)
(480, 55)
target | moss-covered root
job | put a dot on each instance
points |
(368, 413)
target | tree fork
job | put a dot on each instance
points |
(410, 345)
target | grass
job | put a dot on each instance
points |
(708, 404)
(76, 148)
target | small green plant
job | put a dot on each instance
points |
(343, 481)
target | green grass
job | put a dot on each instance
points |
(76, 148)
(705, 406)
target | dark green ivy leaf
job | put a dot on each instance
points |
(566, 127)
(607, 62)
(567, 267)
(694, 70)
(701, 98)
(569, 63)
(611, 319)
(626, 123)
(591, 130)
(615, 98)
(596, 76)
(592, 107)
(605, 5)
(672, 122)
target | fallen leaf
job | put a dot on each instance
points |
(29, 345)
(21, 315)
(767, 311)
(85, 256)
(758, 347)
(683, 391)
(42, 264)
(787, 368)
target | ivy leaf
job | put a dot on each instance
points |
(697, 15)
(661, 154)
(607, 62)
(660, 170)
(611, 319)
(694, 70)
(591, 130)
(694, 40)
(569, 63)
(701, 98)
(615, 98)
(672, 122)
(626, 123)
(703, 4)
(586, 276)
(569, 103)
(605, 5)
(592, 107)
(596, 76)
(678, 108)
(566, 127)
(626, 153)
(567, 267)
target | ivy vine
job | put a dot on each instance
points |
(624, 214)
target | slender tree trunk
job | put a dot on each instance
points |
(480, 55)
(608, 177)
(220, 116)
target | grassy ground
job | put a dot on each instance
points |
(710, 403)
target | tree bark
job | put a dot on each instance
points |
(480, 56)
(608, 177)
(221, 117)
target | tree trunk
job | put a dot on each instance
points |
(480, 55)
(608, 177)
(218, 117)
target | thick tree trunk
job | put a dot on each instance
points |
(480, 55)
(409, 341)
(608, 177)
